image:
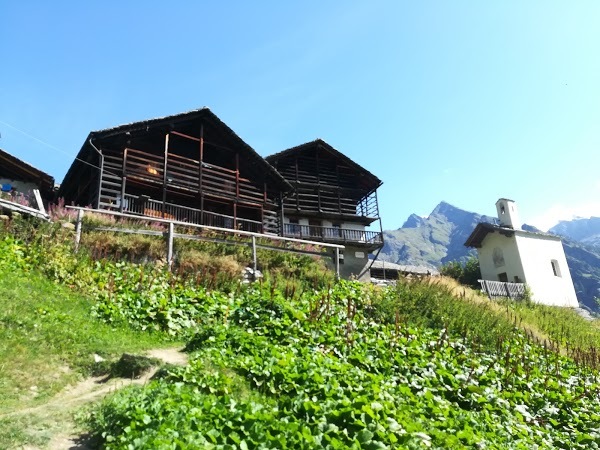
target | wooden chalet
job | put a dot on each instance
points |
(334, 199)
(17, 176)
(189, 167)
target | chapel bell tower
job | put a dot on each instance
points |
(508, 214)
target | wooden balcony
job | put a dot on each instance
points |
(148, 207)
(333, 234)
(188, 175)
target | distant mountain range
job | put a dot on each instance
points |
(586, 231)
(439, 238)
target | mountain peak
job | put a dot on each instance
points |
(443, 207)
(413, 221)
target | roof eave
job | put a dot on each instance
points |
(276, 156)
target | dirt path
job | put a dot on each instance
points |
(54, 418)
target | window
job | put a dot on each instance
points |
(503, 277)
(341, 258)
(517, 279)
(555, 268)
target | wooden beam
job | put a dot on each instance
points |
(237, 175)
(281, 216)
(177, 133)
(123, 181)
(262, 219)
(200, 170)
(296, 185)
(235, 216)
(164, 196)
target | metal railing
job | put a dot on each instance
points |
(148, 207)
(332, 233)
(501, 289)
(170, 234)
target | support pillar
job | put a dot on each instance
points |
(124, 182)
(78, 229)
(164, 196)
(170, 234)
(254, 261)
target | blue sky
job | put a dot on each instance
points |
(459, 101)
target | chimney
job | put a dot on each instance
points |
(508, 214)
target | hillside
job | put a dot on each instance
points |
(289, 363)
(342, 366)
(440, 237)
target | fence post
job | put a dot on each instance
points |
(337, 263)
(78, 229)
(507, 290)
(487, 289)
(254, 262)
(170, 245)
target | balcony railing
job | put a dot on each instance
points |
(184, 174)
(334, 234)
(145, 206)
(500, 289)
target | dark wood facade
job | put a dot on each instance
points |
(328, 188)
(187, 167)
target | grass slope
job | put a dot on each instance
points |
(47, 341)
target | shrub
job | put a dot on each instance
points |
(467, 273)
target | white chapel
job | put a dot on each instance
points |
(508, 253)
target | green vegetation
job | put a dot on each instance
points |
(322, 370)
(467, 273)
(566, 330)
(293, 362)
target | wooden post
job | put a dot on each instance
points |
(318, 180)
(281, 215)
(237, 175)
(296, 186)
(262, 219)
(78, 229)
(124, 182)
(164, 197)
(339, 188)
(254, 262)
(507, 290)
(170, 234)
(200, 187)
(38, 200)
(337, 263)
(235, 215)
(487, 289)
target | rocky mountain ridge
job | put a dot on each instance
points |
(586, 231)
